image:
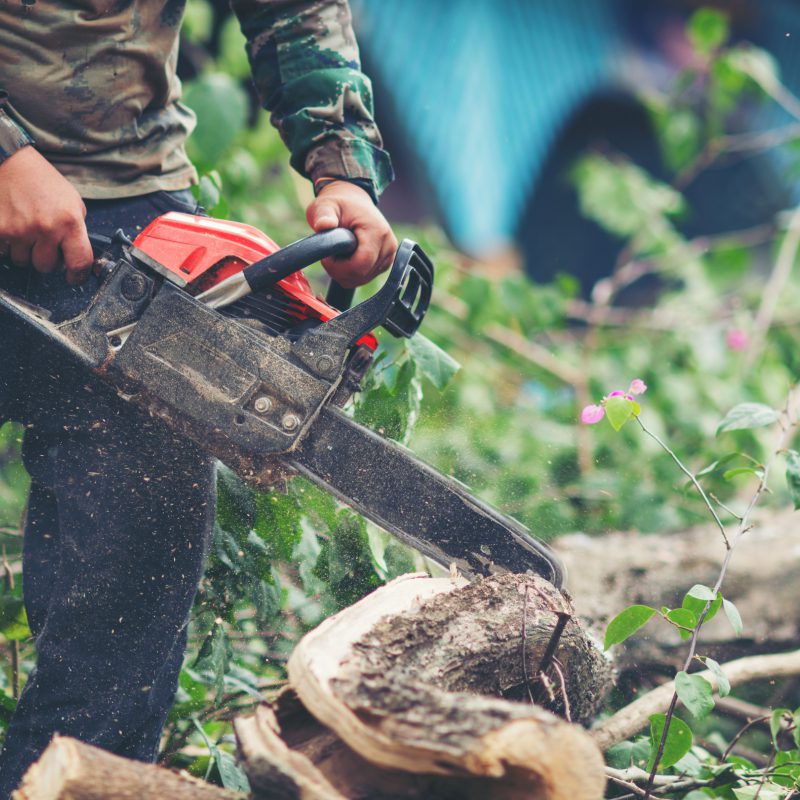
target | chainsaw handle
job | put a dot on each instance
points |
(300, 254)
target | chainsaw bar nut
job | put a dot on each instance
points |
(290, 422)
(263, 404)
(324, 364)
(134, 286)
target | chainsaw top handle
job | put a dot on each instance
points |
(399, 305)
(300, 254)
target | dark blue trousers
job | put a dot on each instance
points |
(116, 531)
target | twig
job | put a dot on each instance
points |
(774, 288)
(16, 678)
(690, 475)
(550, 650)
(724, 507)
(787, 428)
(533, 352)
(741, 732)
(635, 716)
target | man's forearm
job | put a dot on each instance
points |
(306, 68)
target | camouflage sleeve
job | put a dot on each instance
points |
(305, 64)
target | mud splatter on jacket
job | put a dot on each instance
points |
(93, 82)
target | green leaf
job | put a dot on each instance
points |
(733, 615)
(13, 619)
(759, 65)
(695, 693)
(677, 745)
(214, 657)
(732, 473)
(683, 618)
(618, 411)
(209, 190)
(626, 623)
(701, 592)
(723, 684)
(707, 30)
(746, 416)
(434, 363)
(782, 728)
(793, 476)
(231, 773)
(758, 792)
(629, 754)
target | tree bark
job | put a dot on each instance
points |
(71, 770)
(410, 684)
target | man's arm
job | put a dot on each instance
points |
(306, 68)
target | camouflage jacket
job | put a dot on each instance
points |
(93, 83)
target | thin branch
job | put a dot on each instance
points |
(774, 288)
(635, 716)
(741, 732)
(787, 429)
(690, 475)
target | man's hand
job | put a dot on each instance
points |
(42, 217)
(345, 205)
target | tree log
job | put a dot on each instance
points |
(71, 770)
(413, 679)
(606, 574)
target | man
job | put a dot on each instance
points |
(91, 138)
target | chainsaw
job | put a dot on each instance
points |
(210, 326)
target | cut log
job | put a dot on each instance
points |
(412, 678)
(71, 770)
(606, 574)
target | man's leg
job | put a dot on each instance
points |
(118, 520)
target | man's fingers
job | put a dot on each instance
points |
(78, 256)
(20, 253)
(44, 255)
(323, 215)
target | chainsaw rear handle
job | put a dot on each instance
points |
(269, 270)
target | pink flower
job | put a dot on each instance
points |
(621, 394)
(737, 339)
(638, 386)
(591, 415)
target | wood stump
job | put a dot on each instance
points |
(405, 694)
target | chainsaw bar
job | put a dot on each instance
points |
(431, 512)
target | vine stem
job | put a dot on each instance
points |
(788, 426)
(690, 475)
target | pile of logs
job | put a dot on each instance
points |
(440, 688)
(423, 689)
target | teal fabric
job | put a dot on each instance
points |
(483, 92)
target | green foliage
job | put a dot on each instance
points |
(626, 623)
(677, 744)
(696, 600)
(735, 619)
(793, 476)
(695, 693)
(707, 30)
(723, 684)
(746, 416)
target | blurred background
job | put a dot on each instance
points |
(608, 190)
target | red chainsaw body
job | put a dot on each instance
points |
(204, 251)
